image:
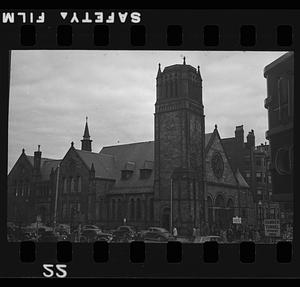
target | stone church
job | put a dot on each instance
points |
(183, 178)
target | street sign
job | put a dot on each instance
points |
(236, 220)
(272, 227)
(38, 218)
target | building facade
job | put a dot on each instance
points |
(185, 178)
(280, 105)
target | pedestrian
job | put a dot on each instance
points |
(175, 234)
(257, 236)
(194, 234)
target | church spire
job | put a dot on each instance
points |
(86, 134)
(86, 142)
(159, 71)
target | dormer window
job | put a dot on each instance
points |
(146, 170)
(127, 172)
(145, 173)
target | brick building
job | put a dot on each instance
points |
(184, 178)
(280, 105)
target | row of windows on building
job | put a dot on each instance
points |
(144, 174)
(24, 190)
(70, 210)
(137, 210)
(72, 184)
(21, 190)
(260, 177)
(260, 162)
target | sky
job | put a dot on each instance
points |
(52, 92)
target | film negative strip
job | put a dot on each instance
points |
(163, 183)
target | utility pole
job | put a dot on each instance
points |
(56, 197)
(171, 207)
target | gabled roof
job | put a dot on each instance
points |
(104, 164)
(207, 138)
(46, 165)
(240, 179)
(229, 145)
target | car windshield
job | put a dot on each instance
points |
(91, 227)
(158, 229)
(127, 228)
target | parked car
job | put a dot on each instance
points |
(84, 227)
(203, 239)
(48, 236)
(104, 237)
(161, 231)
(157, 237)
(63, 228)
(90, 235)
(124, 234)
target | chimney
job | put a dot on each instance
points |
(251, 139)
(37, 159)
(239, 135)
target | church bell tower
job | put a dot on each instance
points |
(179, 148)
(86, 142)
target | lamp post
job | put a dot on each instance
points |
(171, 206)
(260, 213)
(56, 197)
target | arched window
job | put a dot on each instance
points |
(119, 209)
(151, 209)
(98, 210)
(220, 211)
(209, 210)
(64, 210)
(79, 184)
(65, 185)
(72, 184)
(113, 209)
(76, 184)
(230, 211)
(138, 209)
(132, 209)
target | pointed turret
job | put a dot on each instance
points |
(86, 134)
(159, 71)
(198, 72)
(92, 171)
(86, 142)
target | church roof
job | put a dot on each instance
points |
(207, 138)
(132, 157)
(103, 163)
(229, 145)
(240, 179)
